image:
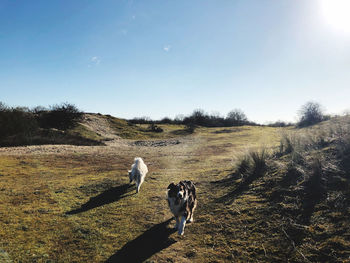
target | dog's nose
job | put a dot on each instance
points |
(179, 194)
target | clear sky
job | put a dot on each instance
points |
(163, 58)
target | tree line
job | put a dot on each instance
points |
(309, 114)
(200, 118)
(25, 121)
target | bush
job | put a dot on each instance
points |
(165, 120)
(179, 119)
(190, 127)
(16, 121)
(280, 124)
(236, 118)
(200, 118)
(22, 126)
(141, 120)
(62, 116)
(154, 128)
(310, 114)
(3, 106)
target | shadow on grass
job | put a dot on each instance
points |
(109, 196)
(144, 246)
(229, 180)
(242, 186)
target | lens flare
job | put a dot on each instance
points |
(336, 14)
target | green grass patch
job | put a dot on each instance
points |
(83, 132)
(128, 130)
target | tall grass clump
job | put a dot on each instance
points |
(259, 159)
(250, 167)
(286, 145)
(252, 163)
(314, 157)
(243, 165)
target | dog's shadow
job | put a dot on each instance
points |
(109, 196)
(144, 246)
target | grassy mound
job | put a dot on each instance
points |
(301, 194)
(127, 130)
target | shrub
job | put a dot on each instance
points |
(310, 114)
(141, 120)
(62, 116)
(3, 106)
(16, 121)
(166, 120)
(280, 124)
(154, 128)
(190, 127)
(200, 118)
(39, 109)
(179, 119)
(236, 118)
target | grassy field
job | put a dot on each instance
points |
(77, 206)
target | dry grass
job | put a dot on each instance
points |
(305, 192)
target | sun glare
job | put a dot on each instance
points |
(337, 14)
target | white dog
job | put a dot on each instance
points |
(138, 172)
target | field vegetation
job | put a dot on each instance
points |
(265, 194)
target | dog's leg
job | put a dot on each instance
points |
(177, 223)
(137, 187)
(190, 220)
(182, 226)
(140, 183)
(130, 177)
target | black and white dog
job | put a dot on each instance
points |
(182, 202)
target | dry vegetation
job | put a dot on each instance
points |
(76, 206)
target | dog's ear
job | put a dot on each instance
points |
(170, 186)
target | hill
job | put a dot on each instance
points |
(91, 129)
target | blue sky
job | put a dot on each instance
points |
(163, 58)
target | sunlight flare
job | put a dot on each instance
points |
(336, 14)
